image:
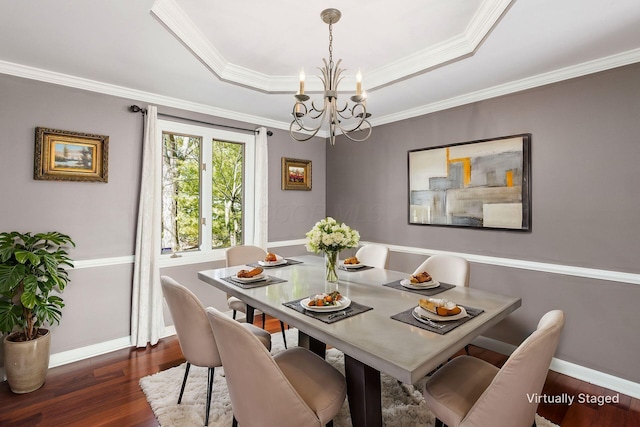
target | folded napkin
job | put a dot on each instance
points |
(284, 264)
(256, 284)
(447, 326)
(425, 292)
(329, 317)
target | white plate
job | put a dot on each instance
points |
(353, 266)
(426, 285)
(421, 312)
(341, 304)
(279, 261)
(257, 278)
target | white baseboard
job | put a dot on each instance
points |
(589, 375)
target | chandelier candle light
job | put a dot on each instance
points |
(331, 76)
(330, 237)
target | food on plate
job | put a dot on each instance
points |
(323, 300)
(270, 257)
(247, 274)
(420, 278)
(352, 260)
(441, 307)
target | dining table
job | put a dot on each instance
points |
(378, 332)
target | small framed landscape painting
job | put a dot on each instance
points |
(70, 156)
(296, 174)
(481, 184)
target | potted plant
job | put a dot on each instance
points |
(32, 268)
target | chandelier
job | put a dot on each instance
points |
(346, 119)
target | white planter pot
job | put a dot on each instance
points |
(26, 362)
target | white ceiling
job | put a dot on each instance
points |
(241, 59)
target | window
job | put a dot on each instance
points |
(207, 188)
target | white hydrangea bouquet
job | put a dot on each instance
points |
(330, 237)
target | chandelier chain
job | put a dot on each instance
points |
(331, 43)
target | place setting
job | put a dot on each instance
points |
(353, 264)
(253, 278)
(272, 260)
(327, 307)
(421, 283)
(437, 315)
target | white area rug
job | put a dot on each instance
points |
(402, 405)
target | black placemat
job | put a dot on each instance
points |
(331, 317)
(289, 262)
(448, 326)
(251, 285)
(425, 292)
(353, 270)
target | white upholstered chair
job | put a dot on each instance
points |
(469, 392)
(294, 388)
(239, 255)
(446, 268)
(374, 255)
(195, 335)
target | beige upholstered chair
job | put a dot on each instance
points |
(239, 255)
(469, 392)
(446, 268)
(295, 388)
(195, 335)
(374, 255)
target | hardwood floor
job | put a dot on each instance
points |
(104, 391)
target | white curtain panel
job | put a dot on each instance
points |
(147, 323)
(260, 229)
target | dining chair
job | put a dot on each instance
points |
(240, 255)
(374, 255)
(446, 268)
(195, 336)
(469, 392)
(294, 388)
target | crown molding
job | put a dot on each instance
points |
(176, 21)
(53, 77)
(590, 67)
(586, 68)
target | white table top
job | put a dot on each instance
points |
(400, 350)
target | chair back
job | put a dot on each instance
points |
(446, 268)
(192, 325)
(243, 254)
(260, 393)
(374, 255)
(522, 376)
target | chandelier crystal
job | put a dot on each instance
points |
(346, 119)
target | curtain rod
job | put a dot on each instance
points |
(143, 111)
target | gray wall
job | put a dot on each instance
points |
(585, 201)
(585, 204)
(101, 217)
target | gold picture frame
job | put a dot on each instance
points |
(296, 174)
(70, 156)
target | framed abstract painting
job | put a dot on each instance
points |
(479, 184)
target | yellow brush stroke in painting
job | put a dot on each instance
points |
(509, 178)
(466, 167)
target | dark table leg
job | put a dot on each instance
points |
(310, 343)
(364, 392)
(249, 314)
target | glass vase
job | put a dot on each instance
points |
(330, 264)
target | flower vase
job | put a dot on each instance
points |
(331, 263)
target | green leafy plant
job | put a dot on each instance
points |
(32, 266)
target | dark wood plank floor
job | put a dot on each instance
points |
(104, 391)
